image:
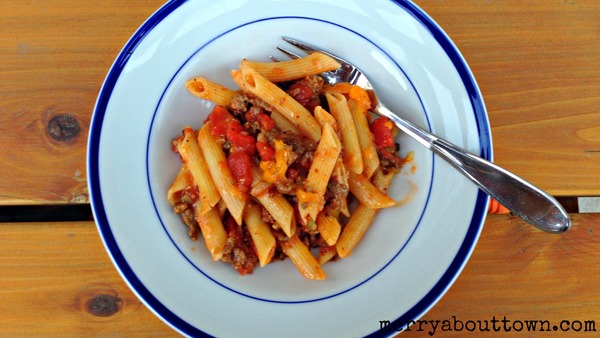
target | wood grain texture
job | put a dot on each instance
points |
(536, 62)
(52, 275)
(524, 274)
(538, 66)
(54, 56)
(51, 271)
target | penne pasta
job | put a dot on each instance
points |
(211, 91)
(365, 140)
(312, 64)
(304, 261)
(282, 102)
(323, 117)
(281, 210)
(284, 124)
(329, 227)
(342, 88)
(221, 174)
(221, 207)
(382, 181)
(367, 193)
(181, 182)
(338, 106)
(278, 206)
(355, 229)
(236, 75)
(326, 254)
(324, 161)
(280, 121)
(263, 239)
(213, 231)
(192, 156)
(361, 219)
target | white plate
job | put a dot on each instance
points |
(410, 256)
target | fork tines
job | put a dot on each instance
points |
(290, 54)
(308, 49)
(302, 46)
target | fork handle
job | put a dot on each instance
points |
(519, 196)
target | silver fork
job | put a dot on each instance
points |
(521, 197)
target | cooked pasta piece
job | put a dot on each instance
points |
(212, 230)
(304, 261)
(263, 239)
(280, 121)
(284, 124)
(361, 219)
(194, 159)
(341, 87)
(282, 102)
(182, 181)
(326, 254)
(312, 64)
(365, 140)
(276, 205)
(355, 229)
(221, 174)
(236, 75)
(338, 107)
(329, 227)
(323, 117)
(320, 171)
(367, 193)
(281, 210)
(211, 91)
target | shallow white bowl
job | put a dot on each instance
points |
(410, 256)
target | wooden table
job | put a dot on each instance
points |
(538, 66)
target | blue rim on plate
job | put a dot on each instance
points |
(169, 316)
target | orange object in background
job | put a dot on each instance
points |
(496, 208)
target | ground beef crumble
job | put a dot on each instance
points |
(239, 249)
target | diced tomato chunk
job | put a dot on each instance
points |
(241, 168)
(304, 95)
(224, 124)
(265, 121)
(266, 152)
(241, 141)
(221, 121)
(383, 132)
(300, 92)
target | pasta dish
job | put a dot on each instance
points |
(286, 166)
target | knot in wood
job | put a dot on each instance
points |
(104, 305)
(63, 128)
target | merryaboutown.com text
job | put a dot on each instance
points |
(432, 327)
